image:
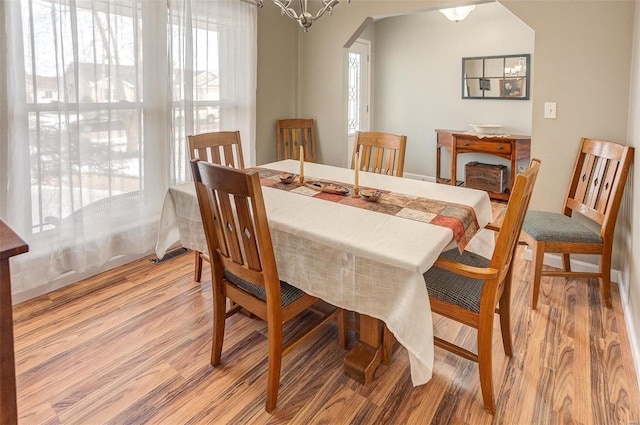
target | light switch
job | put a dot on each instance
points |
(550, 110)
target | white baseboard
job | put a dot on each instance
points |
(555, 260)
(419, 177)
(632, 331)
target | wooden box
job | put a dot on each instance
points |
(489, 177)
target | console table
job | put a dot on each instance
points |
(511, 147)
(10, 245)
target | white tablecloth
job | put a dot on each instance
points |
(351, 257)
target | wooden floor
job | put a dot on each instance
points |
(132, 346)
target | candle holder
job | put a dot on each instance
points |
(356, 182)
(301, 157)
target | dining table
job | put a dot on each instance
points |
(366, 257)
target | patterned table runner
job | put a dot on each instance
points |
(461, 219)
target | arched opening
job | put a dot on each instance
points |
(416, 74)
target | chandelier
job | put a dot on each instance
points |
(303, 16)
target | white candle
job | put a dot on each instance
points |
(301, 162)
(356, 166)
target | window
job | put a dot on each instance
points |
(102, 95)
(353, 96)
(196, 104)
(85, 142)
(358, 87)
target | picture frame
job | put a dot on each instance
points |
(512, 87)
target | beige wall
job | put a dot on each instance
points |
(277, 77)
(583, 62)
(631, 247)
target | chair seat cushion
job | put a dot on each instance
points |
(554, 227)
(289, 293)
(455, 289)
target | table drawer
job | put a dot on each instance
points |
(484, 146)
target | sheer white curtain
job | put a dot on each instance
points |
(101, 95)
(214, 73)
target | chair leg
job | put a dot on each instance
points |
(566, 262)
(485, 339)
(342, 328)
(219, 316)
(537, 259)
(275, 363)
(605, 278)
(197, 274)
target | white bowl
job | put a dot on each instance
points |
(486, 128)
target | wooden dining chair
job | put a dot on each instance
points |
(381, 153)
(243, 265)
(218, 147)
(291, 133)
(468, 287)
(595, 192)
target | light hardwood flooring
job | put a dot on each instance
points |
(132, 346)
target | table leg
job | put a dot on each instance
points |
(438, 148)
(365, 356)
(8, 407)
(454, 164)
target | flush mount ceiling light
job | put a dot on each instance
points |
(456, 14)
(303, 16)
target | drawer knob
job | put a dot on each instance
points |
(465, 144)
(499, 147)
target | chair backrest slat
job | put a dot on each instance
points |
(582, 184)
(295, 142)
(214, 217)
(378, 157)
(607, 186)
(287, 146)
(365, 158)
(247, 233)
(230, 227)
(599, 175)
(389, 162)
(381, 153)
(595, 181)
(305, 139)
(293, 133)
(221, 147)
